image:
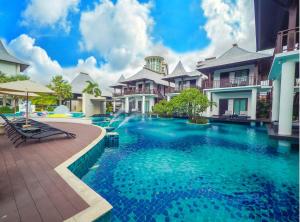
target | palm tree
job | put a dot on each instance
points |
(92, 89)
(61, 87)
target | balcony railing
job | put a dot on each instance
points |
(137, 91)
(178, 90)
(235, 82)
(287, 40)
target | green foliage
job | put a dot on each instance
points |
(199, 120)
(6, 78)
(109, 107)
(92, 88)
(163, 108)
(263, 108)
(190, 102)
(6, 109)
(43, 101)
(61, 87)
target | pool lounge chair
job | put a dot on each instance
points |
(227, 114)
(243, 115)
(37, 131)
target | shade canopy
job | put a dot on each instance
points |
(18, 93)
(24, 86)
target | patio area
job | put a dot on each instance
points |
(30, 188)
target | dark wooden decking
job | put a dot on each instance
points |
(30, 189)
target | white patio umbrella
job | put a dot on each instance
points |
(26, 86)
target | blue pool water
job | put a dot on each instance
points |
(170, 170)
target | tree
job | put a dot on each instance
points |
(92, 88)
(191, 102)
(44, 100)
(61, 87)
(163, 108)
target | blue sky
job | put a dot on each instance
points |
(110, 38)
(174, 22)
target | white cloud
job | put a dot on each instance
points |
(121, 33)
(42, 67)
(45, 13)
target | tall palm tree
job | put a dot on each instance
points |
(92, 88)
(61, 87)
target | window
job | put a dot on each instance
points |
(193, 83)
(239, 105)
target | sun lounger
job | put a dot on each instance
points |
(37, 131)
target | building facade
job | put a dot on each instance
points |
(183, 80)
(236, 80)
(281, 32)
(9, 65)
(83, 102)
(141, 91)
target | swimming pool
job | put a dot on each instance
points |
(170, 170)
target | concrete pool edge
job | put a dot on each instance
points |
(98, 206)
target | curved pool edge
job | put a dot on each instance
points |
(98, 206)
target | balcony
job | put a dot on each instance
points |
(287, 40)
(235, 82)
(178, 90)
(137, 91)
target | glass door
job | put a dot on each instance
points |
(239, 105)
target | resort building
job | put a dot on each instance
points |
(83, 102)
(183, 80)
(9, 65)
(281, 32)
(236, 80)
(141, 91)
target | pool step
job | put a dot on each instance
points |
(112, 139)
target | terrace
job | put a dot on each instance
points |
(31, 189)
(287, 40)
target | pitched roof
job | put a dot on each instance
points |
(232, 56)
(5, 56)
(118, 83)
(80, 81)
(146, 74)
(180, 71)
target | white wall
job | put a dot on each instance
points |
(230, 95)
(187, 81)
(91, 107)
(9, 68)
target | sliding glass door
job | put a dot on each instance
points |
(239, 105)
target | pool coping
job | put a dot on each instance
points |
(98, 206)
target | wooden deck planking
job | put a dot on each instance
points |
(30, 189)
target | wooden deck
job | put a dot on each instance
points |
(30, 189)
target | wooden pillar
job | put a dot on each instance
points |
(291, 41)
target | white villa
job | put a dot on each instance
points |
(183, 79)
(83, 102)
(9, 65)
(236, 80)
(283, 36)
(141, 91)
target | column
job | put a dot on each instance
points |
(136, 104)
(168, 98)
(275, 100)
(208, 94)
(143, 105)
(286, 98)
(253, 103)
(127, 104)
(151, 104)
(114, 105)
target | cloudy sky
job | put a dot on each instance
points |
(108, 38)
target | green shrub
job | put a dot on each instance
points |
(50, 108)
(199, 120)
(6, 109)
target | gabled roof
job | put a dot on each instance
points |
(5, 56)
(119, 84)
(180, 71)
(146, 74)
(80, 81)
(232, 56)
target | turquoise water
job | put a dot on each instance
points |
(170, 170)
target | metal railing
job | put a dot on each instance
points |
(179, 89)
(231, 82)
